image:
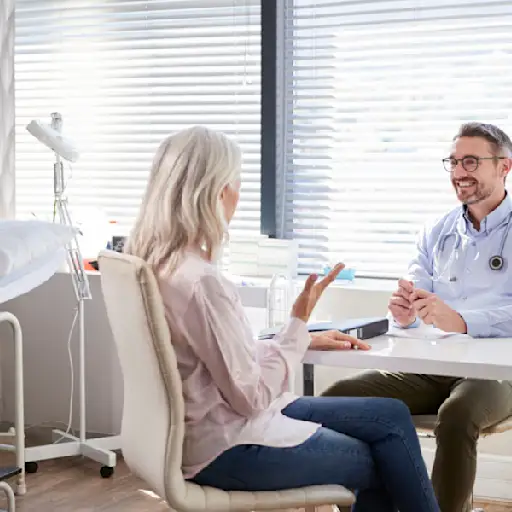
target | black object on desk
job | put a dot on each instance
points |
(361, 328)
(94, 264)
(118, 243)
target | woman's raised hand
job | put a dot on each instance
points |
(312, 291)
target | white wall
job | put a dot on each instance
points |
(46, 314)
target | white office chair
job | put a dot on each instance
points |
(153, 415)
(425, 424)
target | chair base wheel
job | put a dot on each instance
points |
(106, 471)
(31, 467)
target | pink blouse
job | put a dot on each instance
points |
(234, 387)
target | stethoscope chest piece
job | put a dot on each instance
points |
(496, 262)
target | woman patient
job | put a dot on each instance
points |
(244, 429)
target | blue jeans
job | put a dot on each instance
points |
(368, 445)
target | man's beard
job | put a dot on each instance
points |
(477, 193)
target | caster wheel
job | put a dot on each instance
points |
(31, 467)
(106, 471)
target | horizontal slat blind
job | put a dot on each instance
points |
(125, 74)
(377, 89)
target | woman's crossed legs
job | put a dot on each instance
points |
(366, 444)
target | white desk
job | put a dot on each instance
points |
(458, 357)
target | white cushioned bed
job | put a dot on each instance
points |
(31, 251)
(30, 276)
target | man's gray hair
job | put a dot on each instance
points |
(501, 145)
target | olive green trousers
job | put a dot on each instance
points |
(464, 407)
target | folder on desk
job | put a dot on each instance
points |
(361, 328)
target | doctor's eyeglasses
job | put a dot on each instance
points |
(469, 163)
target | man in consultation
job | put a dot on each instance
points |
(460, 280)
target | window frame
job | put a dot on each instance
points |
(268, 173)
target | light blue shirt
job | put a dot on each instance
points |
(453, 262)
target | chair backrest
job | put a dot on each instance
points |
(153, 414)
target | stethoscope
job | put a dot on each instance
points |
(496, 262)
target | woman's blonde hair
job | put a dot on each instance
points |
(181, 206)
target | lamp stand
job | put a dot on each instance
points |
(65, 444)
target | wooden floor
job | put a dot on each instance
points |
(74, 484)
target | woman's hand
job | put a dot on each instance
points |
(306, 301)
(335, 340)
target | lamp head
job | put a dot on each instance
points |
(51, 137)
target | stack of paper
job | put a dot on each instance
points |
(424, 332)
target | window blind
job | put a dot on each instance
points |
(376, 90)
(125, 74)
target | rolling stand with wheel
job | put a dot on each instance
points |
(32, 467)
(98, 449)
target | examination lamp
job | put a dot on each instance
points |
(51, 137)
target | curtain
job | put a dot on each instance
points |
(7, 108)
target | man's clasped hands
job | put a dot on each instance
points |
(408, 303)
